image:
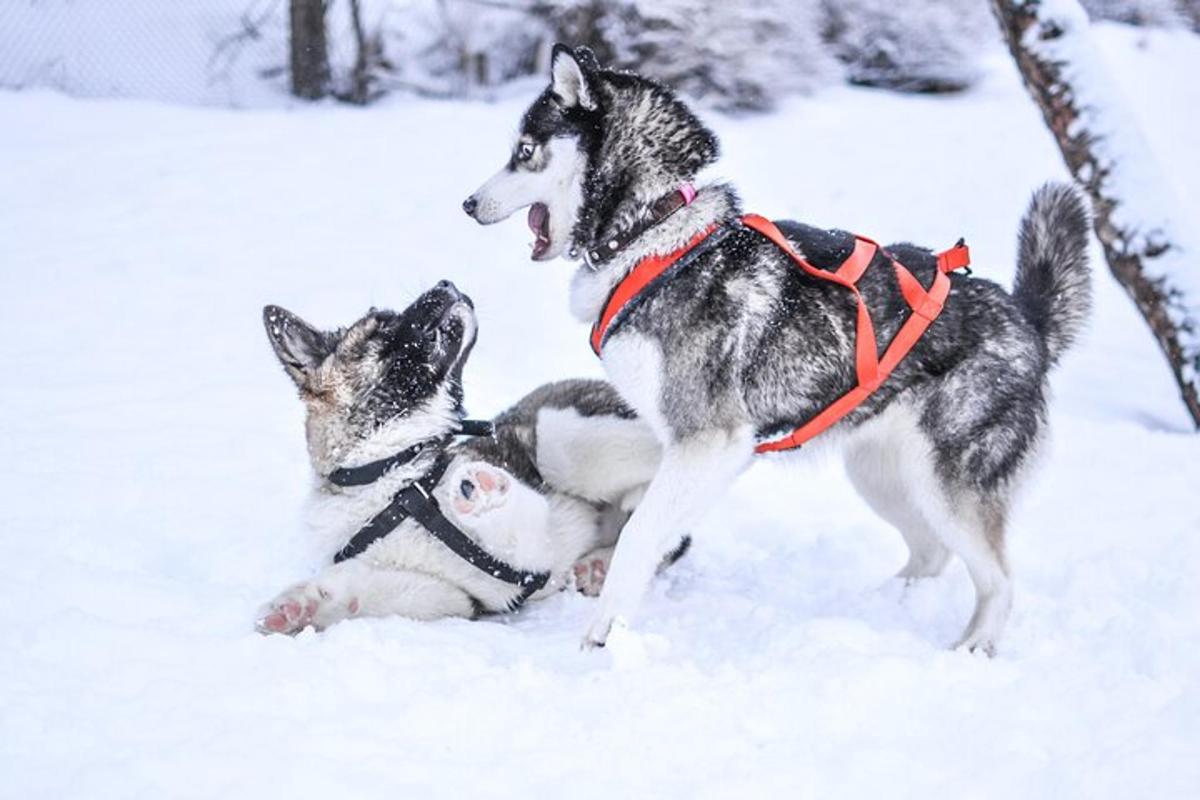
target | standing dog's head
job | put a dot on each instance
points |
(594, 150)
(390, 375)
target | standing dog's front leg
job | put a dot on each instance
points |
(692, 474)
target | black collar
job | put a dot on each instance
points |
(663, 207)
(374, 470)
(416, 501)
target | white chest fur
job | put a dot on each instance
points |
(634, 366)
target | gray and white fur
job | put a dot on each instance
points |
(549, 492)
(742, 346)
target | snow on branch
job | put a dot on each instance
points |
(1138, 217)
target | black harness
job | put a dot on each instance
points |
(416, 501)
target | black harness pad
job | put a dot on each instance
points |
(822, 247)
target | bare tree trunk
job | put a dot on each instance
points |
(360, 77)
(1135, 214)
(309, 50)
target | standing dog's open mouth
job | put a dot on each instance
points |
(544, 177)
(539, 223)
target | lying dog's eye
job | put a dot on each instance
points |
(525, 151)
(467, 488)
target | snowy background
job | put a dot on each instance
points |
(154, 471)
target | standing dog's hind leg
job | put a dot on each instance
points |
(983, 552)
(875, 470)
(692, 474)
(893, 467)
(974, 531)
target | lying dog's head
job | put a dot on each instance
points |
(594, 150)
(391, 375)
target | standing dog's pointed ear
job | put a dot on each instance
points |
(571, 76)
(300, 347)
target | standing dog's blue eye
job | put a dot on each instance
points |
(525, 151)
(467, 488)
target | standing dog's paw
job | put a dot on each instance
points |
(597, 633)
(477, 488)
(301, 606)
(976, 643)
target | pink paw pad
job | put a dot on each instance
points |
(477, 489)
(590, 575)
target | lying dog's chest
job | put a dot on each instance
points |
(409, 545)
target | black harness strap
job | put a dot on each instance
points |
(416, 501)
(374, 470)
(393, 513)
(424, 509)
(476, 427)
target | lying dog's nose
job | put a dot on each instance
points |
(469, 205)
(448, 286)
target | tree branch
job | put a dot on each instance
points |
(1060, 67)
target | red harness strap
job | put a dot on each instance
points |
(870, 369)
(638, 279)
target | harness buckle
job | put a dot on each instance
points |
(957, 257)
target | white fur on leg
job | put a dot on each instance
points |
(511, 520)
(903, 486)
(355, 588)
(875, 460)
(961, 526)
(693, 473)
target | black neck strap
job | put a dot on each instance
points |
(663, 207)
(374, 470)
(416, 501)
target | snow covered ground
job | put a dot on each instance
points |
(153, 471)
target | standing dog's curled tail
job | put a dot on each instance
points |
(1054, 283)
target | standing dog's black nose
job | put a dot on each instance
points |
(469, 205)
(448, 285)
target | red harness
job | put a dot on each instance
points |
(871, 370)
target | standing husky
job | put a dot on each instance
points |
(741, 345)
(549, 490)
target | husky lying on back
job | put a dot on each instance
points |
(741, 345)
(546, 494)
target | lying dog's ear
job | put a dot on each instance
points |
(571, 74)
(300, 347)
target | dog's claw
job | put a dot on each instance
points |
(589, 644)
(597, 634)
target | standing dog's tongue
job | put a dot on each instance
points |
(539, 223)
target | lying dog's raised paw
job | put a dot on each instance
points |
(477, 488)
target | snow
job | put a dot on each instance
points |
(154, 471)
